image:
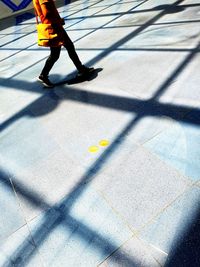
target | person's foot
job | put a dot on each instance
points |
(84, 71)
(45, 81)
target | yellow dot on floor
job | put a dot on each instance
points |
(104, 143)
(93, 149)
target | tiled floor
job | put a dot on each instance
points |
(134, 202)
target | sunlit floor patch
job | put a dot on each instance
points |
(83, 234)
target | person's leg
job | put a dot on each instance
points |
(53, 57)
(68, 44)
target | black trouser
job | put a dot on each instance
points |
(55, 53)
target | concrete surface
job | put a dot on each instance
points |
(134, 202)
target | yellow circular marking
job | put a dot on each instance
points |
(104, 143)
(93, 149)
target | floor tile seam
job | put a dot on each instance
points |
(147, 245)
(166, 120)
(116, 212)
(112, 253)
(182, 176)
(156, 216)
(161, 211)
(18, 30)
(18, 204)
(23, 215)
(28, 221)
(15, 231)
(20, 38)
(21, 50)
(105, 24)
(46, 57)
(130, 95)
(82, 10)
(25, 239)
(108, 6)
(142, 242)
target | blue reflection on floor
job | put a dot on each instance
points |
(179, 146)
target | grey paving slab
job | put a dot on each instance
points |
(11, 216)
(92, 22)
(120, 8)
(131, 181)
(179, 146)
(20, 241)
(87, 12)
(104, 38)
(155, 38)
(46, 182)
(82, 231)
(183, 91)
(96, 121)
(173, 228)
(144, 101)
(24, 144)
(141, 82)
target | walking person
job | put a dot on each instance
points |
(48, 14)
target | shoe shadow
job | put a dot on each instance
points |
(72, 79)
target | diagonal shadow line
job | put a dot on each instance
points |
(134, 12)
(145, 49)
(95, 169)
(118, 104)
(178, 22)
(130, 36)
(176, 73)
(107, 23)
(25, 35)
(139, 24)
(112, 47)
(78, 38)
(109, 101)
(79, 189)
(123, 40)
(55, 216)
(16, 39)
(35, 30)
(51, 221)
(59, 3)
(33, 197)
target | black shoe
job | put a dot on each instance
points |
(45, 81)
(84, 71)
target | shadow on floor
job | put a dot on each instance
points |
(73, 79)
(169, 9)
(187, 251)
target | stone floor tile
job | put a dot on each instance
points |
(82, 231)
(179, 146)
(11, 217)
(167, 232)
(19, 250)
(130, 183)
